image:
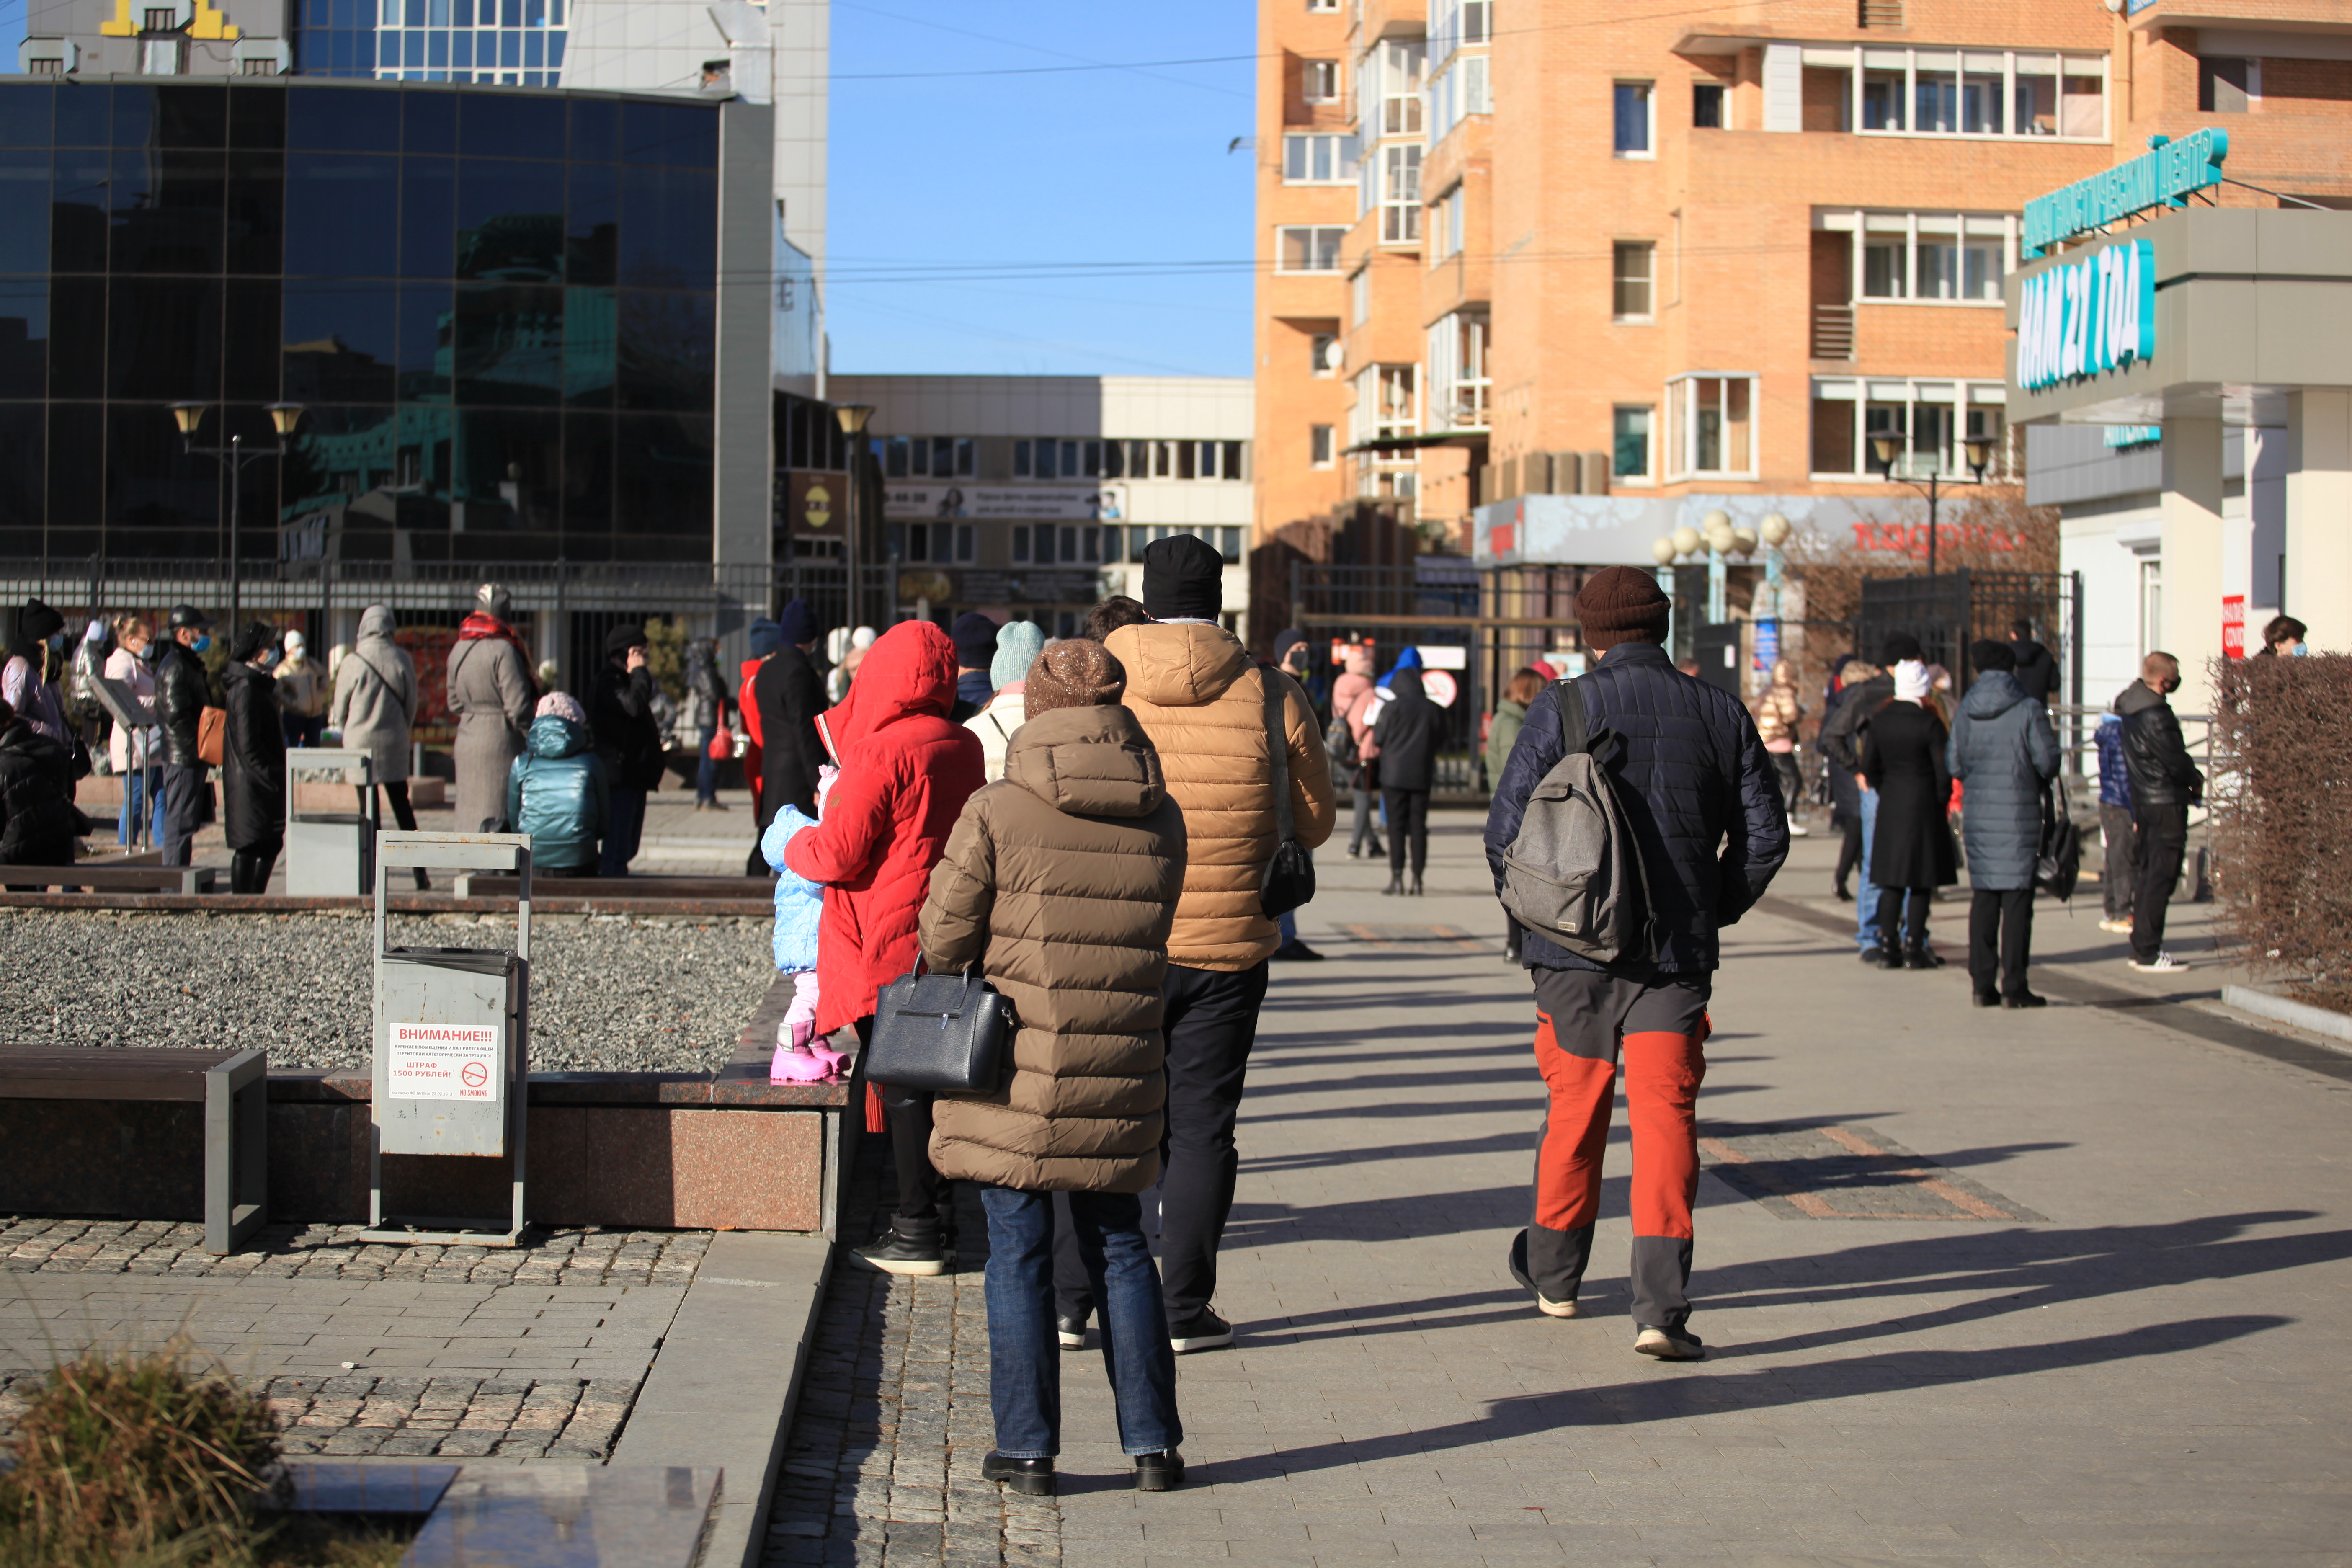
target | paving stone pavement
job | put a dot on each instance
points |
(2154, 1373)
(486, 1353)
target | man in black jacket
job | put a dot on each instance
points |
(1707, 811)
(628, 738)
(790, 696)
(181, 694)
(2164, 783)
(1840, 743)
(2036, 671)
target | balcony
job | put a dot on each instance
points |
(1833, 331)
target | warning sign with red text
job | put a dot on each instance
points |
(442, 1061)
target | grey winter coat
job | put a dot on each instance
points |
(375, 697)
(2004, 752)
(492, 694)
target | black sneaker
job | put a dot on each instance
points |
(1030, 1477)
(2025, 999)
(1205, 1331)
(1670, 1344)
(1162, 1472)
(895, 1252)
(1295, 952)
(1070, 1331)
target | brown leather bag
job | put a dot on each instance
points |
(212, 726)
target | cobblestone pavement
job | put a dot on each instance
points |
(883, 1464)
(571, 1256)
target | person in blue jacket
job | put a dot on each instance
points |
(2120, 872)
(558, 791)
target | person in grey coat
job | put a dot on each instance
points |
(375, 709)
(492, 694)
(2004, 754)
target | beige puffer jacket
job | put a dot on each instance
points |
(1060, 883)
(1198, 693)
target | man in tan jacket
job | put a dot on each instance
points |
(1201, 699)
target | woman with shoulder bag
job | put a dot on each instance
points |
(1060, 884)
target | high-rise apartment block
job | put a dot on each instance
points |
(1556, 277)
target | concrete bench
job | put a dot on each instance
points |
(489, 885)
(110, 878)
(232, 1086)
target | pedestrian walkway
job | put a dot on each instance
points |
(1980, 1286)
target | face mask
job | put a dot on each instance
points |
(2302, 648)
(204, 642)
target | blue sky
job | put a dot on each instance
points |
(1092, 172)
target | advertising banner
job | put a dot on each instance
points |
(1024, 503)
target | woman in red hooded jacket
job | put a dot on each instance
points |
(906, 772)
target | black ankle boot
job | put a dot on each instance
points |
(1415, 889)
(1396, 884)
(1031, 1477)
(1915, 955)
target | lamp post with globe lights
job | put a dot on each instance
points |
(1979, 452)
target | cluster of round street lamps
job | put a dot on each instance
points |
(1718, 535)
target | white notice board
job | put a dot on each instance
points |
(442, 1061)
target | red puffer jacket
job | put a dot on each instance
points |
(906, 772)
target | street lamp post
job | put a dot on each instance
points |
(283, 417)
(852, 418)
(1979, 457)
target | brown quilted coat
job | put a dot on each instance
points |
(1061, 881)
(1197, 691)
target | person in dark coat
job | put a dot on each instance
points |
(975, 635)
(2004, 754)
(39, 822)
(253, 762)
(2165, 783)
(790, 694)
(1911, 850)
(2036, 672)
(1707, 810)
(707, 697)
(182, 692)
(1845, 794)
(628, 738)
(1406, 723)
(2119, 872)
(1840, 740)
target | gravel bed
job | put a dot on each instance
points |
(609, 993)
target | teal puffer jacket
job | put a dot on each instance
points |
(556, 792)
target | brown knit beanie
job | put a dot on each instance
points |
(1073, 673)
(1622, 603)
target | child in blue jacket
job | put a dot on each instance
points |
(800, 905)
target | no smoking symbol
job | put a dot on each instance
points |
(473, 1074)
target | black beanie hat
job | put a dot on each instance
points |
(620, 640)
(1901, 646)
(1183, 578)
(256, 637)
(1988, 655)
(975, 635)
(37, 622)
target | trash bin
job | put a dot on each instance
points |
(452, 1044)
(329, 854)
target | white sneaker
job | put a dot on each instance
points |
(2162, 964)
(2119, 926)
(1798, 830)
(1551, 1309)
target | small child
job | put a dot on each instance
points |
(800, 1057)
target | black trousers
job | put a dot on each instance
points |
(182, 809)
(1848, 848)
(1408, 817)
(1210, 1017)
(1903, 914)
(2119, 879)
(2001, 939)
(921, 1213)
(248, 870)
(2163, 840)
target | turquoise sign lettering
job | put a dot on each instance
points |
(2155, 179)
(2088, 316)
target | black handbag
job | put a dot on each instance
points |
(945, 1032)
(1289, 879)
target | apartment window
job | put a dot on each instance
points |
(1458, 92)
(1457, 371)
(1706, 105)
(1925, 419)
(1320, 448)
(927, 457)
(47, 66)
(1629, 441)
(1953, 267)
(942, 542)
(1948, 93)
(1319, 360)
(1632, 279)
(256, 65)
(1886, 268)
(1360, 296)
(1322, 5)
(1387, 403)
(1952, 257)
(1881, 100)
(1633, 138)
(1400, 194)
(1301, 249)
(1446, 225)
(161, 19)
(1715, 424)
(1319, 160)
(1399, 67)
(1319, 82)
(1453, 23)
(2227, 85)
(1056, 460)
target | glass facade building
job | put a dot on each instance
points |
(499, 310)
(507, 43)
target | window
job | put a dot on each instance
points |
(1629, 441)
(1319, 160)
(161, 19)
(1632, 119)
(1453, 23)
(1881, 100)
(1950, 92)
(161, 55)
(2226, 85)
(1400, 194)
(1307, 249)
(1925, 419)
(1953, 257)
(1885, 268)
(256, 65)
(927, 457)
(1320, 448)
(1631, 280)
(1398, 65)
(1706, 105)
(1319, 82)
(1021, 544)
(1319, 358)
(1360, 296)
(1457, 371)
(46, 66)
(1322, 5)
(1446, 225)
(1715, 429)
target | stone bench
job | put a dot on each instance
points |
(119, 1145)
(116, 878)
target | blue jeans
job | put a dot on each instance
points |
(622, 826)
(1024, 1382)
(1287, 922)
(142, 808)
(705, 777)
(1865, 904)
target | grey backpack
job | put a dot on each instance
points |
(1574, 872)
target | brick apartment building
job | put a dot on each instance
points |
(1555, 278)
